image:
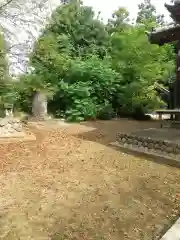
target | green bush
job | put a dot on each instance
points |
(106, 112)
(82, 110)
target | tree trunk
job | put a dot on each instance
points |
(39, 105)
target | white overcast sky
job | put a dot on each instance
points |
(108, 6)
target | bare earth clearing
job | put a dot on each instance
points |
(70, 184)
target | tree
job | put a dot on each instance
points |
(147, 11)
(120, 20)
(147, 14)
(25, 17)
(3, 60)
(72, 33)
(87, 90)
(7, 93)
(89, 69)
(77, 22)
(141, 65)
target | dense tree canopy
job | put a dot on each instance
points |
(147, 15)
(141, 65)
(93, 70)
(120, 21)
(3, 59)
(6, 87)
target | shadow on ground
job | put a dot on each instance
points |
(106, 132)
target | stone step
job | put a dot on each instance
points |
(149, 145)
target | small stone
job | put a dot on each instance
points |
(162, 146)
(141, 149)
(169, 149)
(145, 144)
(10, 127)
(129, 141)
(11, 130)
(146, 149)
(126, 145)
(150, 146)
(18, 127)
(171, 155)
(156, 146)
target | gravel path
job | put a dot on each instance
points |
(70, 184)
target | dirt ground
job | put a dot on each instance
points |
(71, 184)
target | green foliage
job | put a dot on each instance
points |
(147, 14)
(120, 21)
(91, 70)
(86, 34)
(141, 65)
(8, 92)
(87, 86)
(3, 62)
(106, 111)
(147, 11)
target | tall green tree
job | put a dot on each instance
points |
(86, 33)
(141, 65)
(73, 33)
(147, 14)
(92, 69)
(3, 59)
(7, 93)
(120, 20)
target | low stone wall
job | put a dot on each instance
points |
(11, 127)
(149, 145)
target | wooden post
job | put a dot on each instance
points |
(177, 84)
(160, 120)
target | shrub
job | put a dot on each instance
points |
(106, 112)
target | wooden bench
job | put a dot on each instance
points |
(175, 113)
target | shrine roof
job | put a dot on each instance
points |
(165, 28)
(164, 35)
(174, 10)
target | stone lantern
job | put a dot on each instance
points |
(8, 109)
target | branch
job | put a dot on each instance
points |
(5, 4)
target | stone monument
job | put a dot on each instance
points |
(39, 106)
(10, 126)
